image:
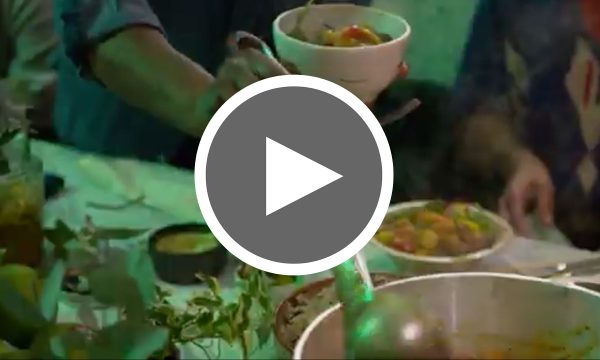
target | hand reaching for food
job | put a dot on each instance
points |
(529, 184)
(246, 67)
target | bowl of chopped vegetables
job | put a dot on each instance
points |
(438, 236)
(359, 48)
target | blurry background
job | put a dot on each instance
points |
(441, 28)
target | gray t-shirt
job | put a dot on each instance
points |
(93, 119)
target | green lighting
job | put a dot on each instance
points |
(354, 294)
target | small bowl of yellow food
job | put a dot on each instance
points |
(180, 252)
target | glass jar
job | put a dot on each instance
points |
(21, 203)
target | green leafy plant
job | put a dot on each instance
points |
(33, 332)
(208, 316)
(150, 325)
(12, 122)
(127, 283)
(89, 237)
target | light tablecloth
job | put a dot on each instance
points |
(170, 199)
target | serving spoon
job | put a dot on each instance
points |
(383, 325)
(297, 31)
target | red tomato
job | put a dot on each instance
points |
(354, 32)
(404, 245)
(361, 34)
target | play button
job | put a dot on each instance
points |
(294, 175)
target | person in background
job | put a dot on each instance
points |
(128, 63)
(529, 89)
(27, 49)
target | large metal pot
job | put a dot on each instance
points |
(486, 315)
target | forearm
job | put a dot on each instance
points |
(140, 65)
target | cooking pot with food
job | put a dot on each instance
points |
(484, 316)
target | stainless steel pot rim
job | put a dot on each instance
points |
(311, 327)
(504, 238)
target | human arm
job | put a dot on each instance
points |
(121, 44)
(485, 103)
(140, 66)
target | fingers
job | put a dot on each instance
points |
(545, 203)
(226, 89)
(503, 208)
(233, 76)
(516, 200)
(290, 67)
(512, 206)
(403, 70)
(241, 74)
(262, 65)
(245, 69)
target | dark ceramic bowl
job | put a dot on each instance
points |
(181, 269)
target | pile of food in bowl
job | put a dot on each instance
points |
(301, 308)
(357, 47)
(438, 228)
(440, 236)
(349, 36)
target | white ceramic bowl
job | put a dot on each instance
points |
(364, 71)
(418, 265)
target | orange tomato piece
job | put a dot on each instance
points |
(426, 217)
(444, 227)
(361, 34)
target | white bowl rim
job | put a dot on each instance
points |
(311, 327)
(505, 237)
(401, 38)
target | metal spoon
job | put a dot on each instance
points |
(297, 30)
(400, 113)
(384, 325)
(361, 266)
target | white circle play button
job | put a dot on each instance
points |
(294, 175)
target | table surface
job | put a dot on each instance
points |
(169, 198)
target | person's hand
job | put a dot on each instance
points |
(403, 71)
(529, 185)
(247, 67)
(237, 72)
